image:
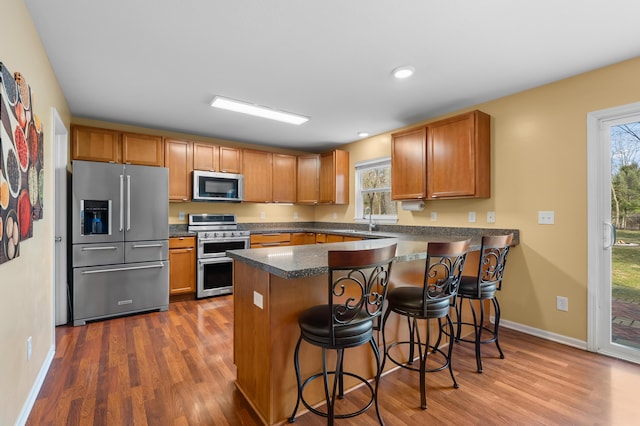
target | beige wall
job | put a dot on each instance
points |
(26, 305)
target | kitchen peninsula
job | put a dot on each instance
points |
(273, 285)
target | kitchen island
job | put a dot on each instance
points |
(271, 287)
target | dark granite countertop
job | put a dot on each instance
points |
(309, 260)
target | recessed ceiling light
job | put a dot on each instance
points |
(257, 110)
(363, 134)
(404, 71)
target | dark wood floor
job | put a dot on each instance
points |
(176, 368)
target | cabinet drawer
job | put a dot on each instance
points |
(182, 242)
(280, 237)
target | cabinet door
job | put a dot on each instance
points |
(257, 166)
(182, 261)
(178, 159)
(408, 164)
(308, 179)
(334, 177)
(92, 144)
(230, 160)
(206, 157)
(302, 238)
(145, 150)
(458, 160)
(284, 178)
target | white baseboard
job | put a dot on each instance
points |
(569, 341)
(37, 385)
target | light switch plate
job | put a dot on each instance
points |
(472, 217)
(434, 216)
(180, 215)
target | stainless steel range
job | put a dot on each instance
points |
(216, 233)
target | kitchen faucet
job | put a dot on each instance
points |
(372, 225)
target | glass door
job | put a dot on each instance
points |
(614, 231)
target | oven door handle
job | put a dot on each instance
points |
(212, 260)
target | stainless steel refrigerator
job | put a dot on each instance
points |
(120, 239)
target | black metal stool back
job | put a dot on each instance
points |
(357, 288)
(431, 300)
(481, 287)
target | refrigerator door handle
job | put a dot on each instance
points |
(121, 202)
(128, 202)
(130, 268)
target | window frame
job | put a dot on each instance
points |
(359, 216)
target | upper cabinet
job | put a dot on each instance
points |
(206, 157)
(94, 144)
(145, 150)
(408, 164)
(257, 175)
(230, 160)
(448, 159)
(459, 157)
(334, 177)
(308, 182)
(284, 178)
(179, 161)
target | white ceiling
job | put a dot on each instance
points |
(158, 63)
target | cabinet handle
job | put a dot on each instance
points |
(270, 244)
(146, 245)
(132, 268)
(98, 248)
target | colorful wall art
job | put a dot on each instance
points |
(21, 164)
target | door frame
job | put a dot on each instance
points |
(600, 237)
(60, 138)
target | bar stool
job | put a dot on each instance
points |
(482, 287)
(431, 300)
(357, 288)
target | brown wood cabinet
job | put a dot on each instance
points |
(206, 157)
(146, 150)
(113, 146)
(182, 262)
(408, 164)
(179, 161)
(284, 178)
(308, 182)
(458, 157)
(334, 177)
(270, 240)
(230, 160)
(257, 166)
(302, 238)
(447, 159)
(93, 144)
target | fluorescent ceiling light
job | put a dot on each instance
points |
(403, 72)
(258, 111)
(363, 134)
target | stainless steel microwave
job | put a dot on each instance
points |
(215, 186)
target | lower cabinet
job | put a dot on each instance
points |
(182, 261)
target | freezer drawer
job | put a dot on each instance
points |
(98, 254)
(105, 291)
(146, 251)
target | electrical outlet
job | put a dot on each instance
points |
(434, 216)
(335, 216)
(295, 215)
(263, 215)
(29, 349)
(472, 217)
(562, 303)
(180, 215)
(546, 217)
(491, 217)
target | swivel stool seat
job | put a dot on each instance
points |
(480, 288)
(429, 300)
(357, 288)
